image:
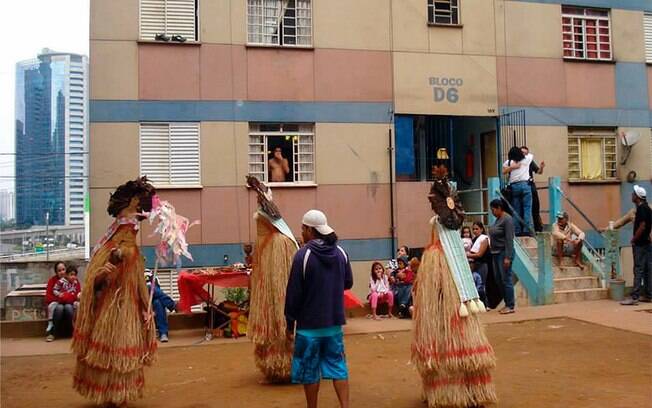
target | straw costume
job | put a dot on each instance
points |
(274, 250)
(111, 341)
(449, 349)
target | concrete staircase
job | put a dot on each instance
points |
(571, 284)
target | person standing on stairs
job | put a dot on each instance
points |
(641, 249)
(568, 239)
(501, 241)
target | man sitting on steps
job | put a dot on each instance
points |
(568, 239)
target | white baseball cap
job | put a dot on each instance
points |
(640, 191)
(317, 220)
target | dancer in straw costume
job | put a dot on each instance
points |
(449, 348)
(114, 338)
(273, 254)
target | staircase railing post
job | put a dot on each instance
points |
(493, 185)
(545, 284)
(555, 199)
(612, 255)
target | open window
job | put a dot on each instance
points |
(282, 153)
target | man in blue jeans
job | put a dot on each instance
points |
(160, 302)
(315, 304)
(518, 168)
(641, 249)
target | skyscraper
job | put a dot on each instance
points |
(51, 142)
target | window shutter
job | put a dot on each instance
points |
(169, 17)
(647, 22)
(155, 153)
(184, 154)
(181, 18)
(152, 18)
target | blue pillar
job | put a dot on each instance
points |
(555, 199)
(545, 284)
(493, 185)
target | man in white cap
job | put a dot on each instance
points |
(641, 249)
(315, 304)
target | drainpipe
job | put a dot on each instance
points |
(392, 228)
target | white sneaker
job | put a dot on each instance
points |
(164, 338)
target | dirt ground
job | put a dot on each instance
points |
(542, 363)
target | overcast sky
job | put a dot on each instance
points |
(29, 26)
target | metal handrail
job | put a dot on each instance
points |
(586, 218)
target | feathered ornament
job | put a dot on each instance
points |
(172, 229)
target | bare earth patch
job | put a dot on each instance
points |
(541, 363)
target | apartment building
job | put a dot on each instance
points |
(358, 96)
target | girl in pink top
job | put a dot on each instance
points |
(379, 290)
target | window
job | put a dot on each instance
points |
(169, 153)
(586, 33)
(647, 22)
(443, 12)
(281, 153)
(591, 154)
(279, 22)
(168, 18)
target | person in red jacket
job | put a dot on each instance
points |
(59, 315)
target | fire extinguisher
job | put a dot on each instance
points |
(468, 160)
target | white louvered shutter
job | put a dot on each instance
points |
(647, 22)
(184, 154)
(181, 18)
(170, 17)
(155, 152)
(152, 18)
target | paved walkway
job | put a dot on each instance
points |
(603, 312)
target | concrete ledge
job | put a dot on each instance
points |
(36, 328)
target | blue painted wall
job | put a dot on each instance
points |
(213, 254)
(241, 111)
(631, 85)
(551, 116)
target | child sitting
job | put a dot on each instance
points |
(68, 289)
(379, 290)
(402, 280)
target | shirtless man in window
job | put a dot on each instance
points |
(279, 167)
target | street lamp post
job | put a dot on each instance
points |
(47, 236)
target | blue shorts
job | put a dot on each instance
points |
(318, 357)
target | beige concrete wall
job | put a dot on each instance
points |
(414, 93)
(114, 20)
(445, 40)
(113, 70)
(627, 35)
(549, 144)
(479, 29)
(409, 25)
(361, 273)
(532, 30)
(114, 154)
(639, 160)
(346, 24)
(100, 219)
(215, 21)
(351, 153)
(219, 154)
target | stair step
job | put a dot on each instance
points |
(576, 282)
(527, 241)
(570, 272)
(579, 295)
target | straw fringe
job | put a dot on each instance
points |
(451, 352)
(273, 256)
(111, 342)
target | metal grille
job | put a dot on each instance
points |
(512, 133)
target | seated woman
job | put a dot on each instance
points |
(60, 315)
(402, 280)
(379, 290)
(479, 257)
